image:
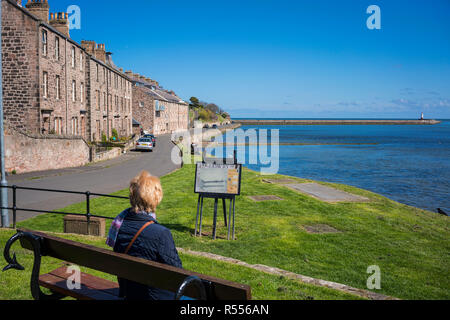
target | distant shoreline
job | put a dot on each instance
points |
(246, 122)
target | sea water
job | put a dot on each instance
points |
(406, 163)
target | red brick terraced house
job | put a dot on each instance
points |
(54, 86)
(156, 110)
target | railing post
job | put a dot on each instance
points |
(14, 206)
(88, 211)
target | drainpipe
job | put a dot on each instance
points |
(4, 183)
(66, 83)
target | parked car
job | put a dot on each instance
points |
(206, 126)
(144, 144)
(150, 136)
(214, 126)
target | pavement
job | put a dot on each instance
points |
(105, 178)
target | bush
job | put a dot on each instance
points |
(115, 135)
(204, 115)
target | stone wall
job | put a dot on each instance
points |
(173, 118)
(106, 155)
(29, 153)
(143, 108)
(51, 84)
(20, 41)
(157, 110)
(63, 110)
(98, 99)
(121, 103)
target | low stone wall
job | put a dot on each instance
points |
(106, 155)
(28, 153)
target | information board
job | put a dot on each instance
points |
(220, 179)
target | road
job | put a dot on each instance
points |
(105, 177)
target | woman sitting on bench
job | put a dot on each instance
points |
(137, 233)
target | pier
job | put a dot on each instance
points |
(281, 122)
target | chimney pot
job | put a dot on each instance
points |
(38, 8)
(60, 22)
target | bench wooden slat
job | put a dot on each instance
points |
(91, 281)
(135, 269)
(59, 285)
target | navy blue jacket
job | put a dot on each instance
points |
(155, 243)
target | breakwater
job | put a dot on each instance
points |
(262, 122)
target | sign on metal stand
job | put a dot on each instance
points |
(218, 179)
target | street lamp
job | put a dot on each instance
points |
(4, 183)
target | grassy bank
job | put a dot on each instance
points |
(14, 285)
(410, 246)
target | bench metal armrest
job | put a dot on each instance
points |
(204, 287)
(36, 243)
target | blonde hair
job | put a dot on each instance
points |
(145, 192)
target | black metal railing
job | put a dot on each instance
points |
(88, 195)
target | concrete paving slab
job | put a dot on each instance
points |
(279, 181)
(265, 198)
(320, 229)
(325, 193)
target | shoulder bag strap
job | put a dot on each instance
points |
(137, 235)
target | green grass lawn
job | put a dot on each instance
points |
(14, 285)
(410, 246)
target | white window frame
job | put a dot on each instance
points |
(58, 88)
(58, 125)
(44, 42)
(57, 48)
(74, 126)
(74, 91)
(82, 92)
(73, 56)
(45, 84)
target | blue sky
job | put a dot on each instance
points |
(307, 59)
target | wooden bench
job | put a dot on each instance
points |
(179, 281)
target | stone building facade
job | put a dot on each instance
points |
(53, 85)
(59, 94)
(157, 111)
(109, 92)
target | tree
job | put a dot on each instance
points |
(195, 103)
(213, 108)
